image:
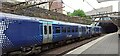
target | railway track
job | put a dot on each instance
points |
(66, 48)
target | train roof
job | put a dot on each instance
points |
(88, 25)
(14, 16)
(21, 17)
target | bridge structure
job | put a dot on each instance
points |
(116, 18)
(108, 21)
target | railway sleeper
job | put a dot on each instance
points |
(24, 51)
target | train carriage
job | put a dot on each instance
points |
(18, 32)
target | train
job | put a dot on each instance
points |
(20, 33)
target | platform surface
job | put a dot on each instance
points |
(107, 44)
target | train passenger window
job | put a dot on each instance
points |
(68, 29)
(45, 29)
(83, 29)
(72, 29)
(57, 29)
(64, 29)
(80, 29)
(49, 29)
(76, 29)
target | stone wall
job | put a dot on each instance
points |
(42, 13)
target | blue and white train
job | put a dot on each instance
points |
(18, 32)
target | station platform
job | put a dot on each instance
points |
(107, 44)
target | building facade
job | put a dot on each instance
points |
(54, 5)
(57, 6)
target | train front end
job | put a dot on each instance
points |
(17, 33)
(4, 41)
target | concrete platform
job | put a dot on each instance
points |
(107, 44)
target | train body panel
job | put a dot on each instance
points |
(22, 31)
(57, 35)
(89, 30)
(64, 32)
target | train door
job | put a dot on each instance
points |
(80, 31)
(87, 30)
(92, 30)
(47, 32)
(50, 32)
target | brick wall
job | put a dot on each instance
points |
(58, 6)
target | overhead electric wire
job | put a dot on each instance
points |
(67, 6)
(90, 5)
(93, 8)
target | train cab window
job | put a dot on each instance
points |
(45, 29)
(57, 29)
(64, 29)
(68, 30)
(72, 29)
(49, 29)
(76, 29)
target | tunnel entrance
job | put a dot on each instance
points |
(106, 23)
(108, 27)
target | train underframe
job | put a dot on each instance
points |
(37, 49)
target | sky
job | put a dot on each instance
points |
(79, 4)
(71, 5)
